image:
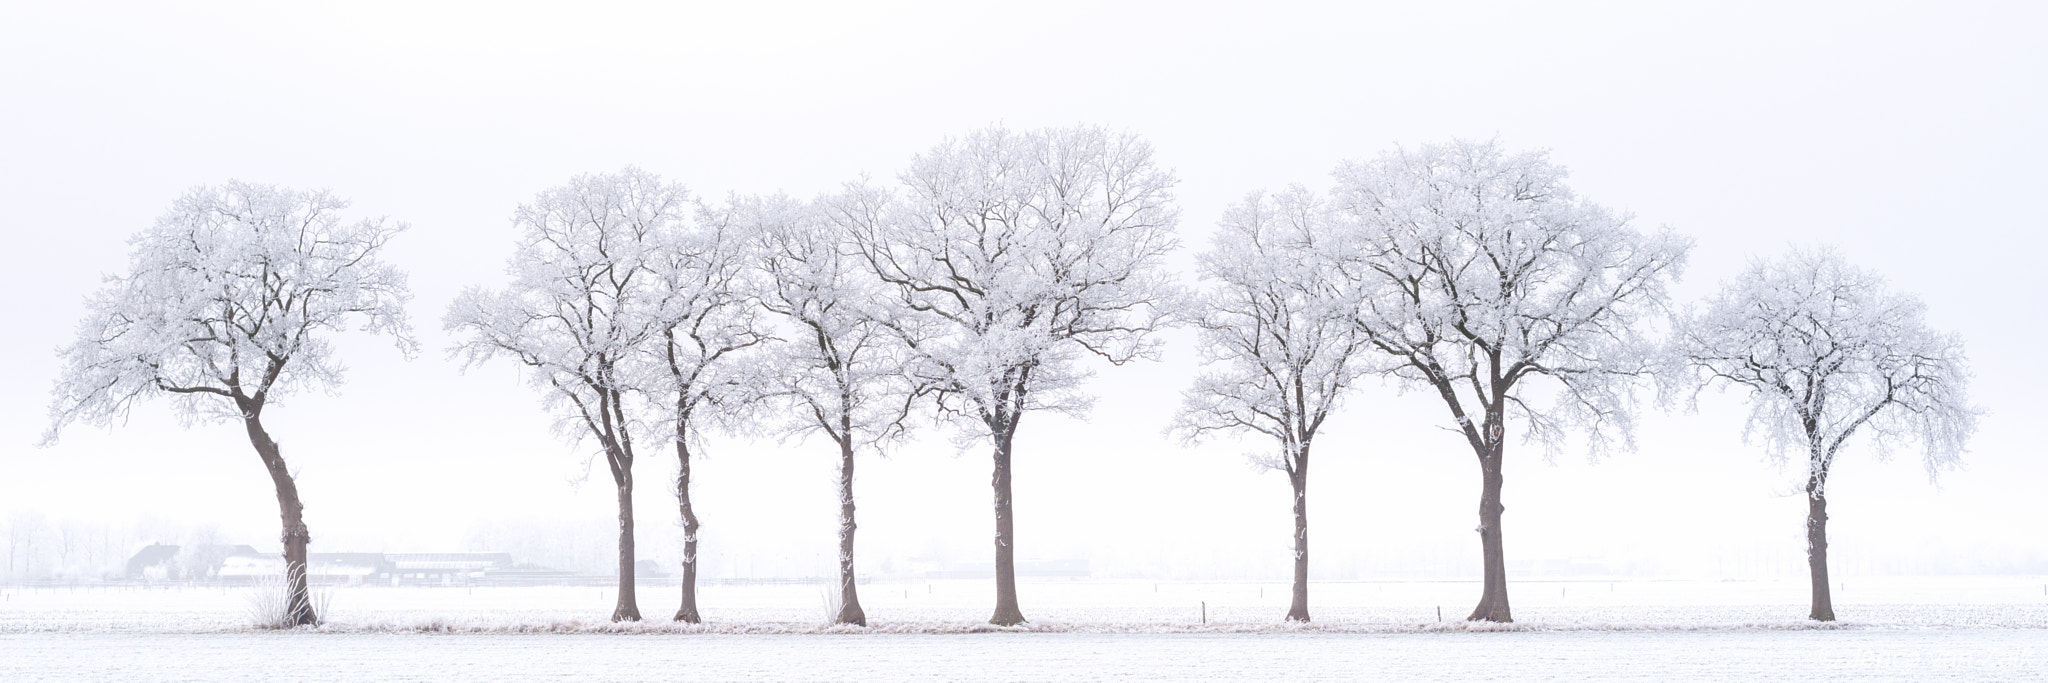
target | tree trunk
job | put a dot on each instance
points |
(628, 608)
(299, 605)
(1817, 553)
(687, 612)
(1493, 602)
(1007, 613)
(1298, 610)
(849, 600)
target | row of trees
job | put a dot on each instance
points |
(1476, 276)
(973, 287)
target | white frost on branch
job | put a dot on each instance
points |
(1278, 325)
(833, 358)
(226, 306)
(1011, 254)
(1827, 352)
(1477, 269)
(578, 313)
(703, 318)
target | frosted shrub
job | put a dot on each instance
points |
(269, 603)
(832, 600)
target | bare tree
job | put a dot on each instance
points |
(1478, 271)
(1283, 330)
(1825, 352)
(201, 552)
(579, 316)
(702, 315)
(836, 362)
(70, 539)
(226, 306)
(23, 526)
(1011, 254)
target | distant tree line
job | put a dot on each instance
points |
(72, 551)
(59, 550)
(970, 288)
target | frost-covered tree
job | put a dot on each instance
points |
(1011, 254)
(834, 364)
(702, 316)
(579, 315)
(227, 306)
(1826, 352)
(1283, 332)
(1478, 273)
(24, 527)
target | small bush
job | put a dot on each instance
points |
(832, 599)
(269, 603)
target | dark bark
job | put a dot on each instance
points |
(1493, 600)
(1007, 613)
(628, 608)
(1487, 440)
(687, 612)
(1817, 552)
(299, 606)
(1298, 479)
(849, 599)
(618, 454)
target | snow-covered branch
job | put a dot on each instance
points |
(230, 295)
(1010, 254)
(1274, 325)
(1477, 269)
(1826, 353)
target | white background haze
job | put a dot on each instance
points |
(1910, 136)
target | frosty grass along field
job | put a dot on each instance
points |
(1917, 628)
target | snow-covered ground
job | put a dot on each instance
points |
(1064, 605)
(1961, 655)
(1918, 628)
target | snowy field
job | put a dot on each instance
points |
(1921, 628)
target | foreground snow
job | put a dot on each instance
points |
(1990, 628)
(1097, 606)
(1920, 655)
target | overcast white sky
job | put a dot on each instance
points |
(1912, 137)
